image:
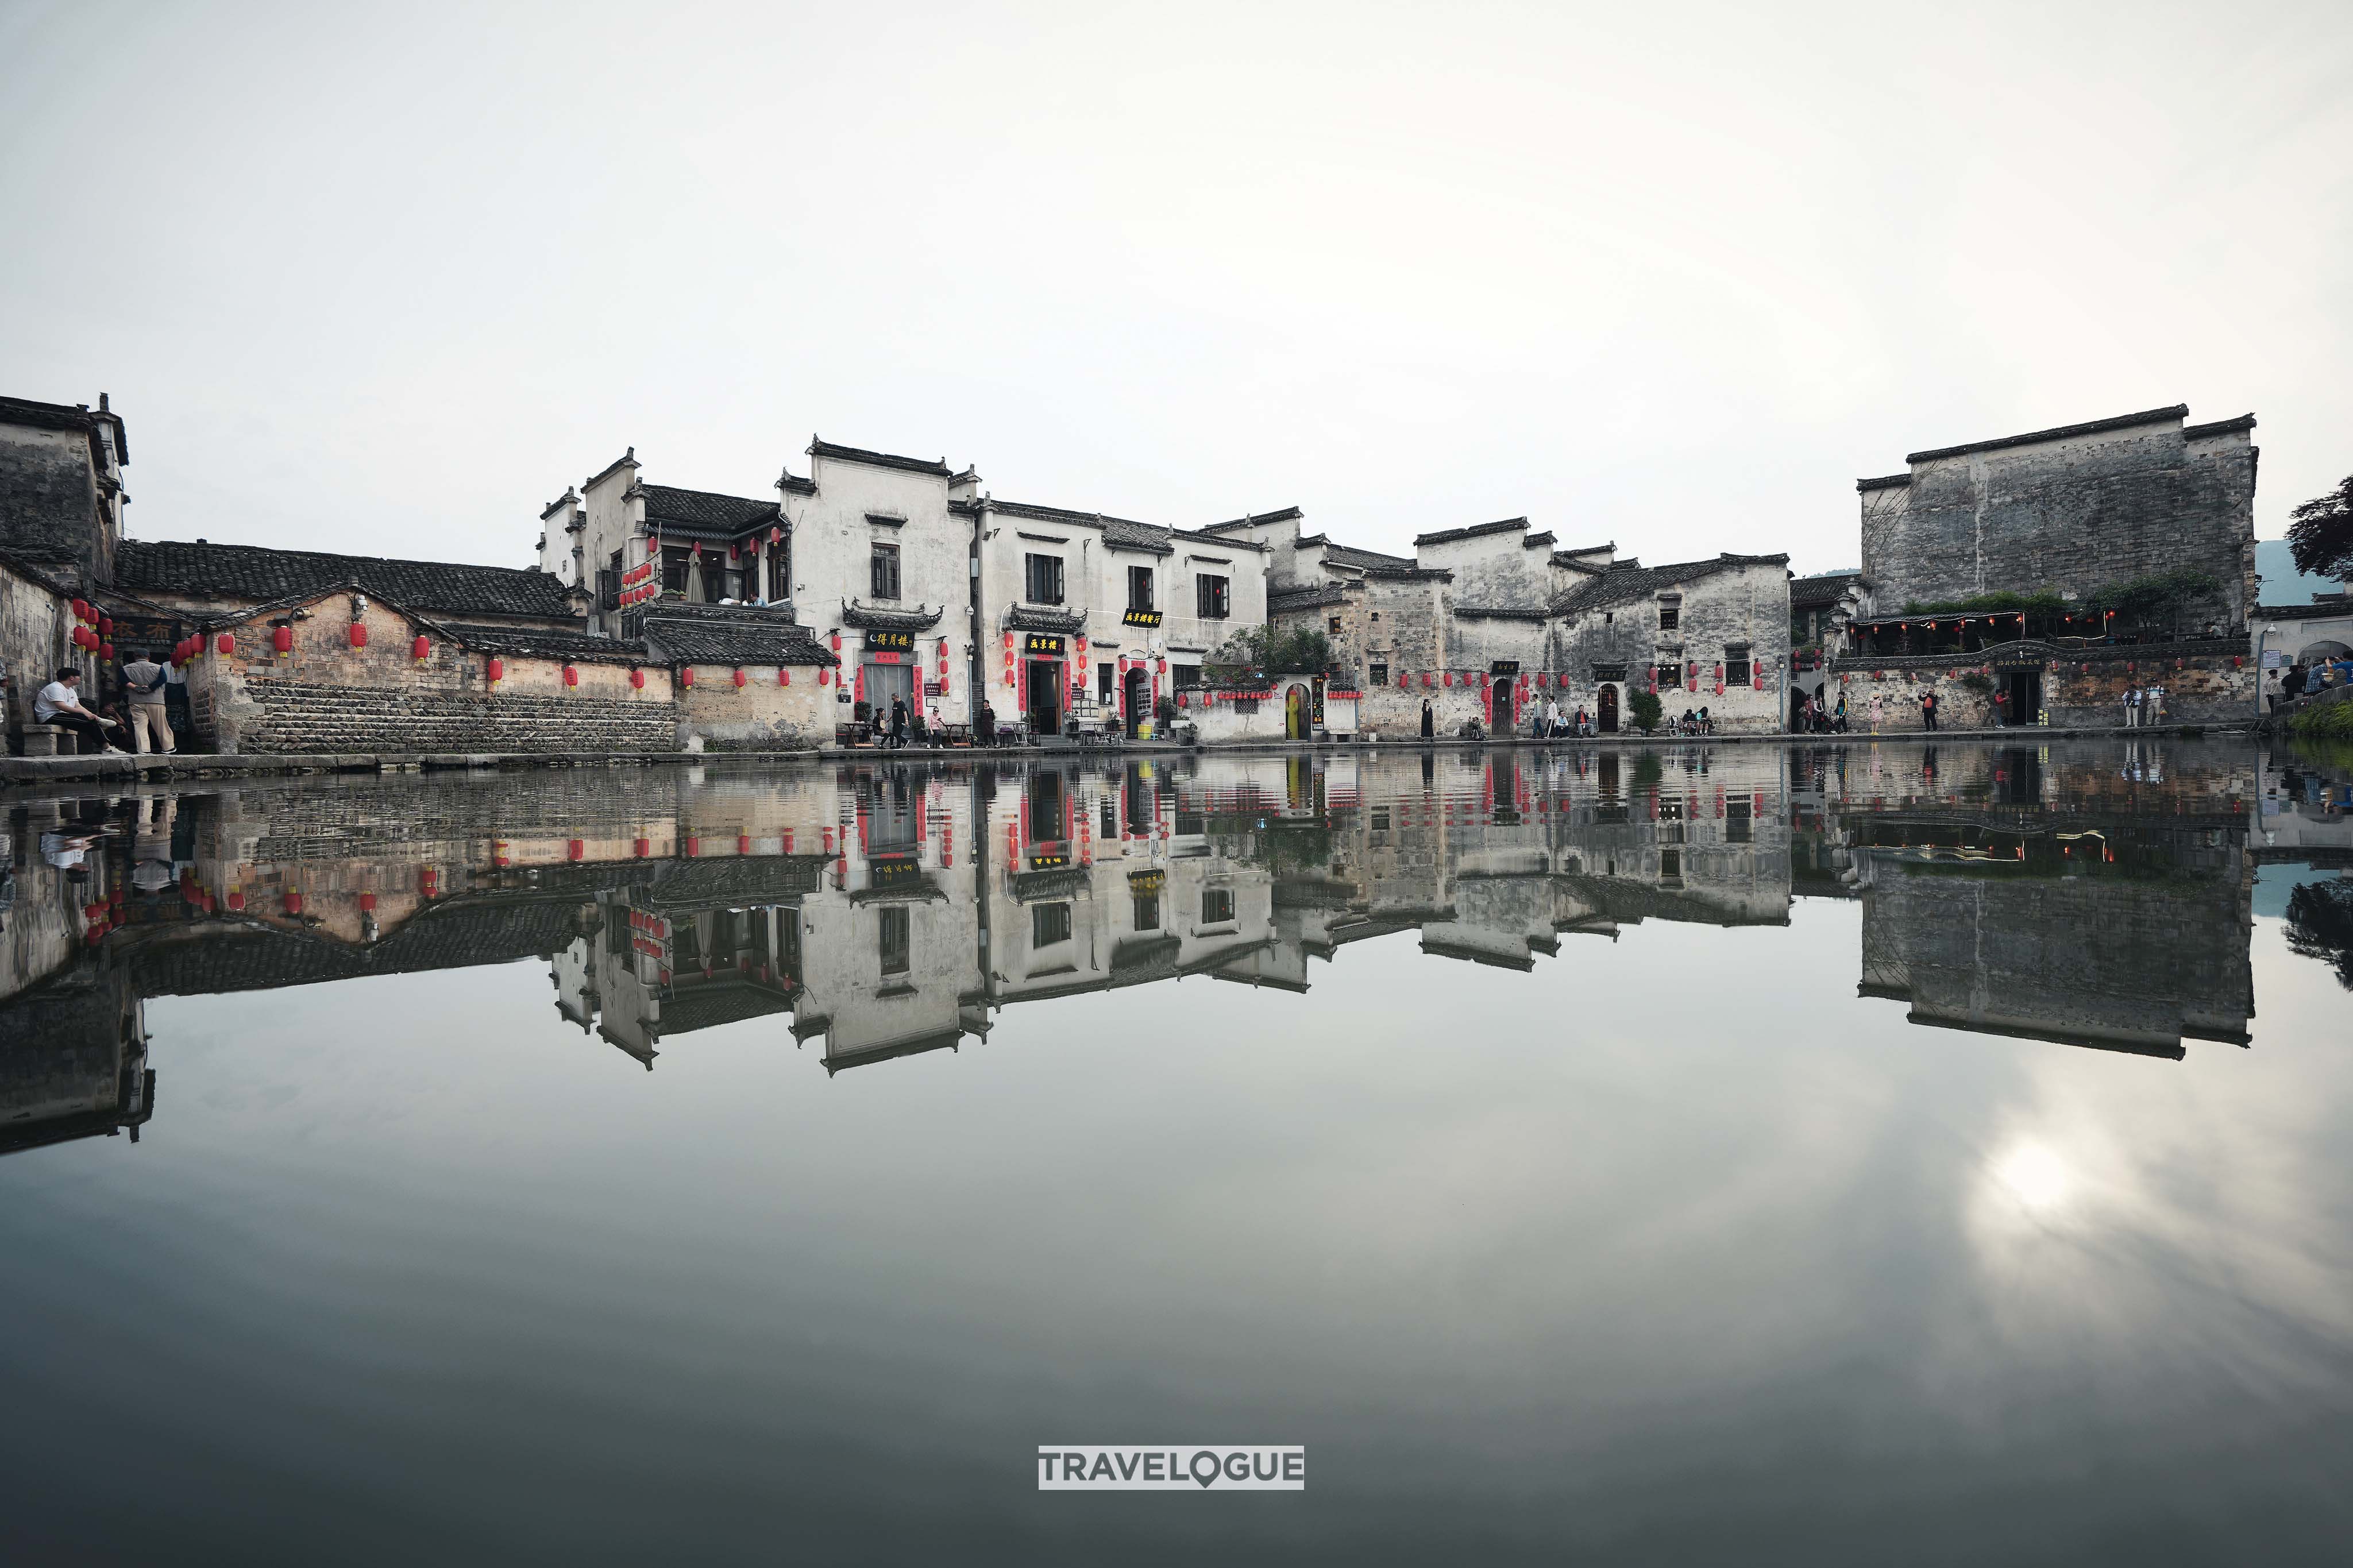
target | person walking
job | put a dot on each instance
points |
(897, 723)
(144, 680)
(1428, 721)
(1877, 712)
(1928, 710)
(58, 704)
(1838, 722)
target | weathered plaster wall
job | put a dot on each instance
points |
(773, 710)
(2072, 515)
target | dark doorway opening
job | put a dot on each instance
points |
(1045, 706)
(1138, 700)
(2024, 690)
(1294, 713)
(1499, 706)
(1607, 710)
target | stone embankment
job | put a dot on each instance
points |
(301, 719)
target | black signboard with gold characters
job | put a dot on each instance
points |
(891, 642)
(1147, 618)
(898, 871)
(1316, 702)
(1040, 645)
(1504, 666)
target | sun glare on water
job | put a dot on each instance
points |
(2035, 1176)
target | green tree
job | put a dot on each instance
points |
(2321, 534)
(1643, 708)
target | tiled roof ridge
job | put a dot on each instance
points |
(1449, 535)
(820, 447)
(2056, 433)
(1251, 519)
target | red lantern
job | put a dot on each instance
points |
(837, 640)
(576, 850)
(106, 653)
(642, 848)
(742, 844)
(421, 648)
(571, 675)
(81, 609)
(1447, 678)
(686, 675)
(784, 676)
(106, 627)
(1425, 679)
(367, 903)
(226, 643)
(359, 634)
(496, 669)
(825, 675)
(281, 638)
(739, 677)
(293, 902)
(637, 679)
(235, 899)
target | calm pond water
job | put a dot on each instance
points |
(1725, 1153)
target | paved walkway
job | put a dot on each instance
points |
(36, 770)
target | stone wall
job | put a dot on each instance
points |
(2072, 513)
(2081, 687)
(326, 696)
(773, 710)
(37, 626)
(1740, 604)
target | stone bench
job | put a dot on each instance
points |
(47, 741)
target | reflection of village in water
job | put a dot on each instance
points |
(2097, 894)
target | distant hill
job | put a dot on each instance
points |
(2282, 584)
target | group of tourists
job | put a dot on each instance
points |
(141, 713)
(1817, 718)
(1549, 723)
(2144, 706)
(2307, 679)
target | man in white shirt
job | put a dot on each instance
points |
(58, 704)
(144, 680)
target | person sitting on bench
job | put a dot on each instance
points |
(57, 704)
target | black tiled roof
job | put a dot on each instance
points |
(1885, 482)
(823, 448)
(705, 512)
(1537, 541)
(701, 1007)
(1121, 534)
(700, 639)
(877, 617)
(1349, 555)
(1285, 514)
(1588, 550)
(1449, 535)
(1030, 619)
(1118, 532)
(1827, 588)
(540, 643)
(2059, 433)
(1283, 599)
(2219, 427)
(1202, 536)
(255, 572)
(1626, 583)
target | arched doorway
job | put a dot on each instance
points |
(1605, 710)
(1139, 700)
(1294, 713)
(1499, 706)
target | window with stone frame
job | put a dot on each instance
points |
(896, 941)
(1139, 587)
(677, 561)
(1667, 669)
(883, 574)
(1380, 674)
(1671, 611)
(1106, 681)
(1213, 597)
(1335, 625)
(1148, 911)
(780, 572)
(1042, 579)
(1048, 925)
(1217, 906)
(1189, 676)
(1735, 665)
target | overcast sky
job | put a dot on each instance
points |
(387, 281)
